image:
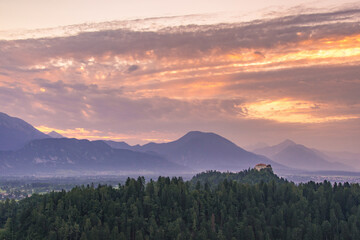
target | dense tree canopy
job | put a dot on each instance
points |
(251, 176)
(173, 209)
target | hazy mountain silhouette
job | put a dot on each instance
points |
(298, 156)
(15, 133)
(270, 151)
(119, 145)
(54, 134)
(51, 155)
(256, 146)
(348, 158)
(204, 151)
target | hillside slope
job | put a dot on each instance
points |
(15, 133)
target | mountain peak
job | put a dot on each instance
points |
(287, 143)
(298, 156)
(54, 134)
(205, 150)
(197, 133)
(208, 137)
(118, 145)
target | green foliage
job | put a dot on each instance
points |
(250, 176)
(174, 209)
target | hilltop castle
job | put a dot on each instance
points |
(261, 166)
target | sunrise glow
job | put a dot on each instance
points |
(141, 79)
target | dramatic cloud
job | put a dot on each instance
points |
(287, 77)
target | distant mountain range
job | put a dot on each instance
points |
(298, 156)
(15, 133)
(27, 151)
(348, 158)
(193, 152)
(203, 151)
(52, 155)
(119, 145)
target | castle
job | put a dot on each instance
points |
(261, 166)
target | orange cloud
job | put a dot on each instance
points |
(178, 77)
(291, 111)
(82, 133)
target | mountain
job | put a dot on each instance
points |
(54, 134)
(270, 151)
(205, 151)
(118, 145)
(54, 155)
(298, 156)
(15, 133)
(256, 146)
(348, 158)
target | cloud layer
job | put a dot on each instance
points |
(295, 76)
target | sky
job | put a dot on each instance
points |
(145, 71)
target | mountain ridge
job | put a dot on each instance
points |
(54, 154)
(205, 151)
(15, 133)
(299, 156)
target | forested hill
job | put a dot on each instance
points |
(172, 209)
(250, 176)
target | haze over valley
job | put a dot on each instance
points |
(29, 152)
